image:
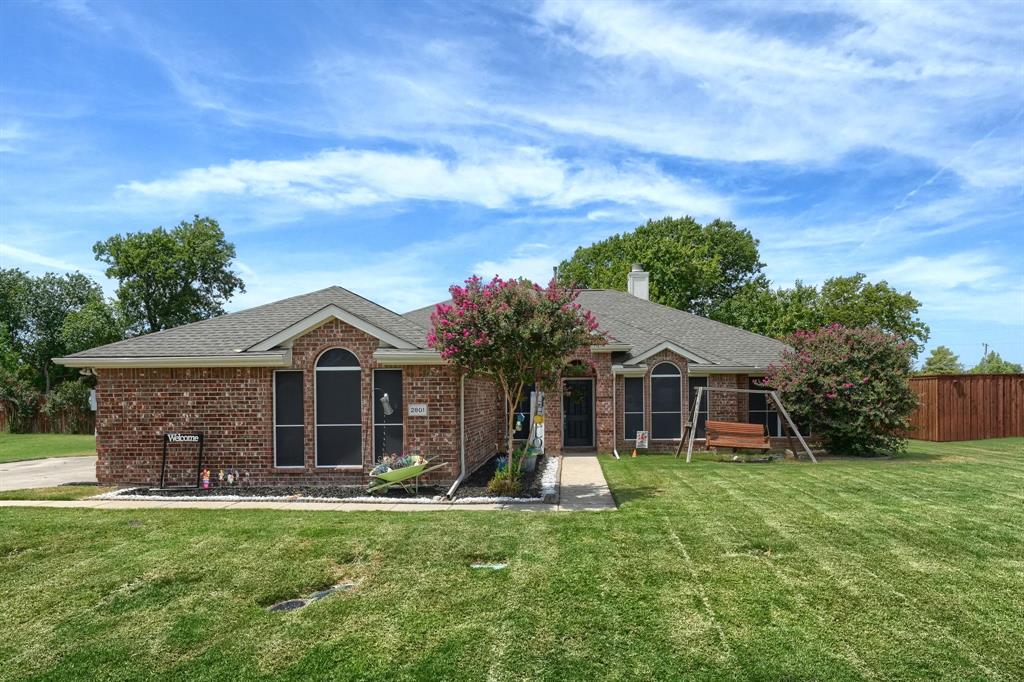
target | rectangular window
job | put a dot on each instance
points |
(702, 416)
(762, 411)
(388, 430)
(289, 431)
(633, 408)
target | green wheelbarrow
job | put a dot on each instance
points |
(407, 478)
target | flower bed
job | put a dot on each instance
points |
(538, 486)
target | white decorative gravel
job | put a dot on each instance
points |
(549, 486)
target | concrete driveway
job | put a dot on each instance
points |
(43, 473)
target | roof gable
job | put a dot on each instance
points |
(248, 331)
(649, 327)
(326, 313)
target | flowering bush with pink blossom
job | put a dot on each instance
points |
(851, 385)
(514, 332)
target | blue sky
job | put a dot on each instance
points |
(395, 148)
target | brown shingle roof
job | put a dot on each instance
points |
(229, 334)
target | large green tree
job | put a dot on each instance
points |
(850, 301)
(96, 323)
(693, 267)
(993, 363)
(171, 277)
(14, 296)
(942, 361)
(52, 298)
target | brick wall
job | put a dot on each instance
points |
(136, 406)
(234, 409)
(625, 446)
(484, 421)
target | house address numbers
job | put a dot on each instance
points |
(418, 410)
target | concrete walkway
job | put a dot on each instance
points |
(44, 473)
(583, 488)
(583, 485)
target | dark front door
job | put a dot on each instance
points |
(578, 411)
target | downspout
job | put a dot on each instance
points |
(462, 437)
(615, 417)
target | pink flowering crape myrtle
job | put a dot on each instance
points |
(850, 385)
(513, 332)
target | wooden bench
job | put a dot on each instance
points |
(736, 435)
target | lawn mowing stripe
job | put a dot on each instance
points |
(688, 562)
(900, 500)
(976, 658)
(793, 594)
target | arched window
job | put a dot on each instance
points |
(339, 416)
(666, 406)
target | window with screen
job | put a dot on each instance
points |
(702, 414)
(388, 430)
(633, 408)
(762, 411)
(666, 401)
(289, 431)
(339, 429)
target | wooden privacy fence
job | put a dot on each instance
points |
(968, 406)
(62, 423)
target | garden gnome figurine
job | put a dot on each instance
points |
(634, 452)
(206, 479)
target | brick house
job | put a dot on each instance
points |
(291, 391)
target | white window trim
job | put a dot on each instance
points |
(317, 425)
(643, 408)
(286, 426)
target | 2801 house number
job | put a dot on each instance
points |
(418, 410)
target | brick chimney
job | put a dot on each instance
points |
(639, 282)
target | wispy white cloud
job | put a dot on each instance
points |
(12, 133)
(342, 178)
(905, 76)
(13, 255)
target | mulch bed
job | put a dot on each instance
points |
(474, 486)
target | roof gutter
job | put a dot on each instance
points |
(462, 437)
(274, 359)
(629, 371)
(701, 370)
(400, 356)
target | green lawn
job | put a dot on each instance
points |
(895, 569)
(61, 492)
(15, 447)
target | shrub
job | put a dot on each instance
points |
(20, 401)
(504, 482)
(71, 400)
(851, 385)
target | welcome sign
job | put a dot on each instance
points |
(183, 437)
(173, 437)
